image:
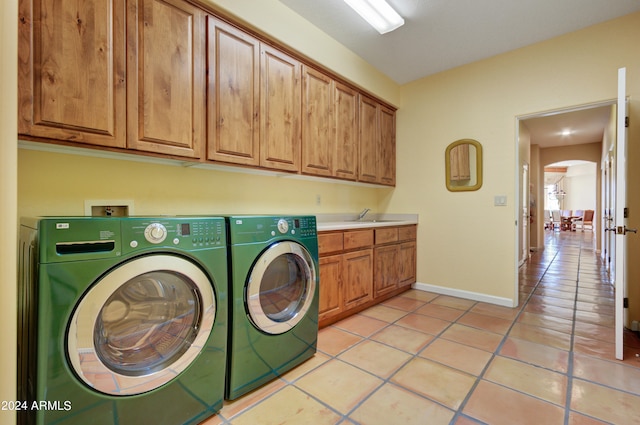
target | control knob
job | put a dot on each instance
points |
(155, 233)
(283, 226)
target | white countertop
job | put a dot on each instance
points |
(325, 222)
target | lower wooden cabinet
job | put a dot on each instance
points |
(358, 274)
(331, 297)
(360, 268)
(386, 269)
(407, 262)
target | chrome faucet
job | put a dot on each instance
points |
(363, 213)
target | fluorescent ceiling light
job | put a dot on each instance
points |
(378, 14)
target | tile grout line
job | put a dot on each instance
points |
(480, 377)
(568, 396)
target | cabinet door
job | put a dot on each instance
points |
(71, 76)
(459, 163)
(387, 161)
(358, 278)
(368, 167)
(317, 123)
(407, 263)
(331, 297)
(385, 273)
(166, 87)
(280, 110)
(233, 100)
(346, 106)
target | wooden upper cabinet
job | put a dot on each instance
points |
(233, 103)
(166, 77)
(71, 75)
(369, 140)
(280, 110)
(329, 126)
(317, 123)
(346, 111)
(387, 163)
(377, 143)
(169, 78)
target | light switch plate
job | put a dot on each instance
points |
(500, 201)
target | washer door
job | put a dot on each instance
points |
(281, 287)
(141, 325)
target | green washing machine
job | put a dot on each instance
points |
(122, 320)
(273, 298)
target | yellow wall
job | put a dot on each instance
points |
(8, 201)
(481, 101)
(59, 183)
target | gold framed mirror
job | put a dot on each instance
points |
(463, 165)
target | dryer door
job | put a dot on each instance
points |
(141, 324)
(281, 287)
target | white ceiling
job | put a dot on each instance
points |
(442, 34)
(586, 126)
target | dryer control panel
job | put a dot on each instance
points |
(249, 229)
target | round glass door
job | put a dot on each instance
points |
(281, 287)
(141, 325)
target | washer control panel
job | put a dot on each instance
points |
(184, 233)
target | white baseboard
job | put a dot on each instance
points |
(474, 296)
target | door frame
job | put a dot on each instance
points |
(538, 226)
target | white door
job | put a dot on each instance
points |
(620, 204)
(526, 203)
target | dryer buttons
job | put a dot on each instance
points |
(155, 233)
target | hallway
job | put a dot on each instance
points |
(423, 358)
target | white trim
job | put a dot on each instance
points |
(460, 293)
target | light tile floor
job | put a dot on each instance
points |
(423, 358)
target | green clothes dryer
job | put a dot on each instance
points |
(274, 298)
(122, 320)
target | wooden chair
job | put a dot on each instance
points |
(587, 220)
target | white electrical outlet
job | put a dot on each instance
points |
(318, 200)
(108, 208)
